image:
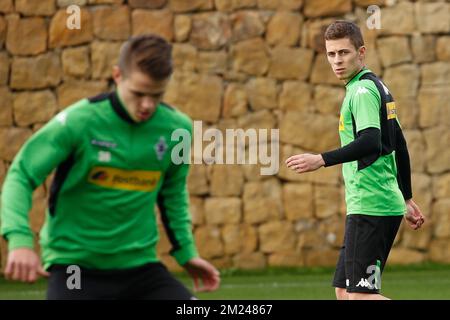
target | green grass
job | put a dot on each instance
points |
(425, 281)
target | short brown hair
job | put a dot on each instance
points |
(149, 53)
(345, 29)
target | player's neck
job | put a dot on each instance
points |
(353, 75)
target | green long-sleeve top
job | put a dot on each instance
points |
(110, 174)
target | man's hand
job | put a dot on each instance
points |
(23, 264)
(305, 162)
(413, 215)
(200, 269)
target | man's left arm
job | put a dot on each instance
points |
(413, 215)
(173, 202)
(403, 163)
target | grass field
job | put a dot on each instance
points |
(426, 281)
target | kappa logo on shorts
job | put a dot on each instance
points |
(364, 283)
(374, 281)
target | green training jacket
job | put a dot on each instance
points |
(110, 174)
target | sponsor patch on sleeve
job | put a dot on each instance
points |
(341, 123)
(391, 110)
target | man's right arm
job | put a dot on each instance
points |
(365, 109)
(34, 162)
(368, 142)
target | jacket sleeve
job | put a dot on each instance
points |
(33, 163)
(367, 143)
(403, 164)
(173, 203)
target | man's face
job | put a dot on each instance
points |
(344, 58)
(139, 92)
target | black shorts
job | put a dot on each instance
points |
(367, 243)
(151, 281)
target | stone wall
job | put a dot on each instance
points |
(247, 64)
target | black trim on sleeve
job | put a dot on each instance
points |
(60, 176)
(403, 165)
(167, 106)
(365, 148)
(165, 220)
(99, 98)
(387, 124)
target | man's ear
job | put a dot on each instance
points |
(362, 52)
(117, 74)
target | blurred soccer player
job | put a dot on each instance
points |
(376, 167)
(112, 155)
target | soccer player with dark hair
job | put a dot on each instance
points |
(112, 155)
(376, 167)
